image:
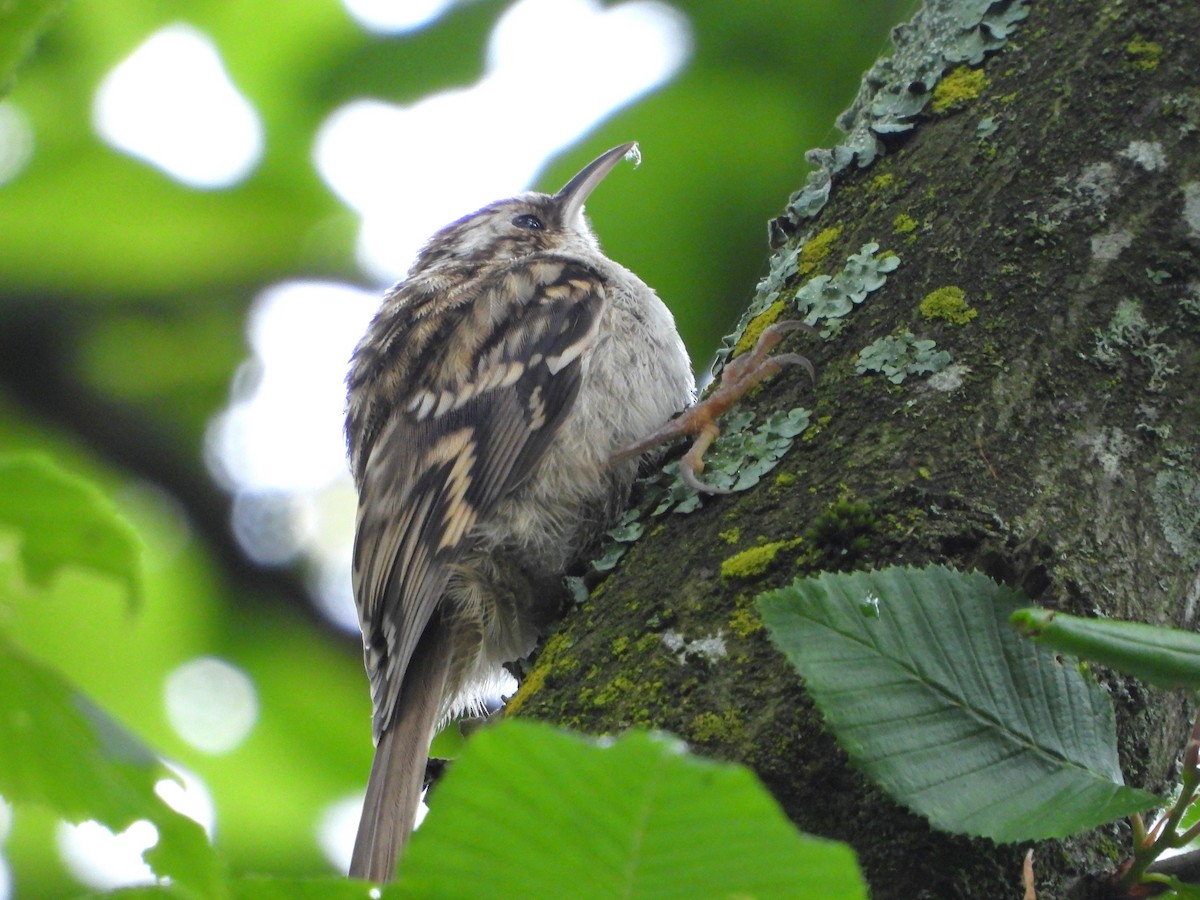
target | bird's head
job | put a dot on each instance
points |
(528, 223)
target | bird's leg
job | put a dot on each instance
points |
(737, 378)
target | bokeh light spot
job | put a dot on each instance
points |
(172, 104)
(408, 170)
(211, 704)
(102, 860)
(395, 16)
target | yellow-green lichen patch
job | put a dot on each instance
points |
(757, 326)
(1143, 54)
(731, 535)
(725, 728)
(647, 642)
(786, 479)
(617, 689)
(959, 87)
(904, 224)
(755, 561)
(881, 182)
(816, 428)
(619, 646)
(744, 622)
(549, 661)
(949, 303)
(813, 253)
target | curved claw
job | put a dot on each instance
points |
(775, 363)
(700, 487)
(692, 463)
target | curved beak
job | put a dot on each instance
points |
(570, 198)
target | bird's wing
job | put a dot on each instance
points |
(467, 434)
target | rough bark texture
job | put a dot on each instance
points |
(1057, 453)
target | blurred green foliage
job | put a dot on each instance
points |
(122, 304)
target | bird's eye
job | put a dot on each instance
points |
(528, 220)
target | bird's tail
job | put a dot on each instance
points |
(398, 770)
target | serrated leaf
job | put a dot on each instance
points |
(530, 812)
(60, 750)
(940, 702)
(62, 520)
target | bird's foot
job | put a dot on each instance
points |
(700, 420)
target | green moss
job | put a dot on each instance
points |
(619, 646)
(904, 224)
(785, 479)
(814, 252)
(731, 535)
(842, 532)
(755, 561)
(1143, 54)
(948, 303)
(959, 87)
(725, 728)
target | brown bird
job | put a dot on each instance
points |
(485, 402)
(489, 403)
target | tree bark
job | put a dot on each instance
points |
(1057, 186)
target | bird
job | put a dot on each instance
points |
(498, 408)
(484, 404)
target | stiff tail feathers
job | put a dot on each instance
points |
(398, 770)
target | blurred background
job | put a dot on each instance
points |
(200, 204)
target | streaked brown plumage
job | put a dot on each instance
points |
(486, 402)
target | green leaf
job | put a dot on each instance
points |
(528, 810)
(1183, 890)
(1166, 657)
(59, 750)
(22, 22)
(265, 887)
(63, 520)
(339, 888)
(941, 703)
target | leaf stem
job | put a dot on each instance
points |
(1164, 834)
